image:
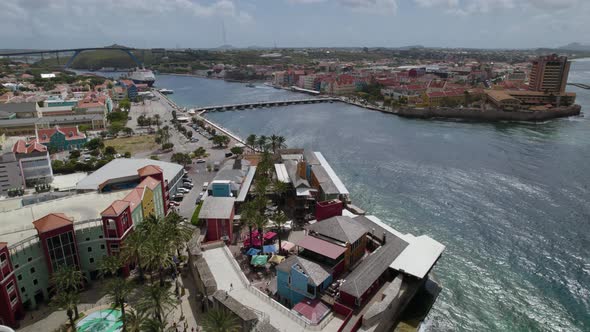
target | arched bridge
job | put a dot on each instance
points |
(580, 85)
(76, 51)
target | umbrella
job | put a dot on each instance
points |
(252, 252)
(269, 249)
(269, 235)
(259, 260)
(277, 259)
(256, 242)
(287, 246)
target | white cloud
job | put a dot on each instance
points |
(369, 6)
(465, 7)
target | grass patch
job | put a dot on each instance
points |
(132, 144)
(195, 218)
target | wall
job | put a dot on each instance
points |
(158, 201)
(31, 272)
(148, 202)
(91, 249)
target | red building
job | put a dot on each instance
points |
(328, 209)
(11, 308)
(58, 240)
(218, 215)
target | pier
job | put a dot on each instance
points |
(261, 104)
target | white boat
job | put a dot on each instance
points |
(142, 76)
(166, 91)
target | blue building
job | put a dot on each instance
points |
(299, 278)
(130, 87)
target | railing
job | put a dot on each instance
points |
(236, 267)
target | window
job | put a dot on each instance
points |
(13, 299)
(10, 287)
(100, 236)
(114, 247)
(102, 246)
(3, 260)
(16, 266)
(87, 239)
(35, 281)
(310, 289)
(91, 260)
(32, 270)
(19, 277)
(62, 250)
(22, 289)
(29, 259)
(89, 249)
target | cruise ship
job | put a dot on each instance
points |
(142, 76)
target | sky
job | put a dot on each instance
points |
(52, 24)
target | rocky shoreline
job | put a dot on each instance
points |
(471, 114)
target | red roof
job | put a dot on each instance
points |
(149, 170)
(149, 182)
(20, 147)
(134, 197)
(321, 247)
(115, 209)
(313, 310)
(52, 221)
(71, 133)
(3, 244)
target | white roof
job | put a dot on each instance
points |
(335, 179)
(282, 174)
(217, 208)
(17, 224)
(125, 167)
(419, 256)
(304, 191)
(68, 181)
(48, 75)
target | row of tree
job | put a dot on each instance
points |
(266, 143)
(151, 248)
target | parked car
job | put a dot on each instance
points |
(200, 161)
(173, 203)
(201, 194)
(198, 200)
(229, 154)
(205, 185)
(178, 197)
(187, 185)
(194, 139)
(183, 190)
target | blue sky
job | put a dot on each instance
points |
(293, 23)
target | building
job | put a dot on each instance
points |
(122, 173)
(549, 74)
(34, 162)
(233, 179)
(22, 110)
(218, 213)
(345, 232)
(130, 87)
(119, 93)
(10, 174)
(299, 278)
(519, 99)
(27, 126)
(76, 230)
(247, 318)
(11, 308)
(61, 138)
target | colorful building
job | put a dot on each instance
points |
(130, 87)
(78, 230)
(299, 278)
(34, 162)
(217, 213)
(61, 138)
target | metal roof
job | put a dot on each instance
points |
(217, 208)
(245, 188)
(18, 107)
(419, 257)
(126, 168)
(316, 272)
(282, 174)
(335, 179)
(340, 228)
(321, 247)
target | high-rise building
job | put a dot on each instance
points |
(549, 74)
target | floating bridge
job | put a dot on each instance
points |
(262, 104)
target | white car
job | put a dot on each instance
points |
(183, 190)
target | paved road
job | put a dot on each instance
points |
(197, 172)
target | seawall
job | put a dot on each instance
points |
(488, 115)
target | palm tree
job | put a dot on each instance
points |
(280, 188)
(68, 279)
(134, 320)
(157, 120)
(109, 265)
(153, 325)
(280, 219)
(157, 255)
(219, 320)
(260, 222)
(262, 142)
(157, 301)
(251, 142)
(178, 234)
(118, 289)
(133, 250)
(281, 142)
(67, 301)
(274, 142)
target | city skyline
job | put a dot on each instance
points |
(294, 23)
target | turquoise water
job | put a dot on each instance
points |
(510, 201)
(101, 321)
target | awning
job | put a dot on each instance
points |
(269, 249)
(277, 259)
(255, 242)
(252, 252)
(269, 235)
(304, 191)
(259, 260)
(287, 246)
